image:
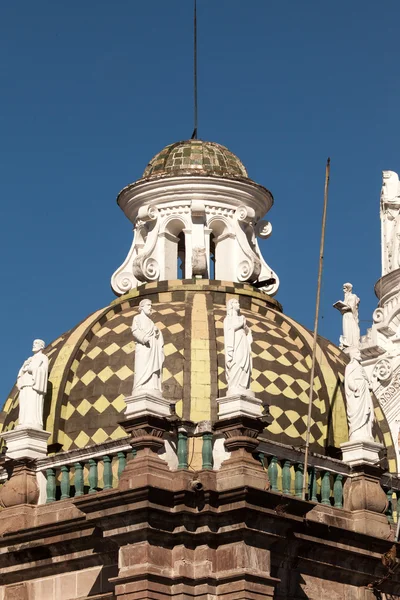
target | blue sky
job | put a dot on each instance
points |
(90, 91)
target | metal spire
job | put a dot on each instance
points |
(194, 134)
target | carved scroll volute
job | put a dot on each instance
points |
(263, 229)
(145, 267)
(250, 267)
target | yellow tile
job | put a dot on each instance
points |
(88, 377)
(111, 349)
(81, 440)
(122, 327)
(169, 349)
(118, 433)
(165, 297)
(124, 372)
(119, 403)
(69, 411)
(94, 353)
(83, 407)
(103, 331)
(101, 404)
(84, 345)
(179, 408)
(177, 328)
(105, 374)
(128, 348)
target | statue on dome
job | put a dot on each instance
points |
(349, 309)
(238, 360)
(32, 385)
(359, 406)
(149, 352)
(390, 221)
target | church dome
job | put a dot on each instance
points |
(195, 157)
(91, 368)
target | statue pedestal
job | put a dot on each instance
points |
(359, 452)
(240, 405)
(147, 403)
(26, 442)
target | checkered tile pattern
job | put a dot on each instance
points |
(97, 371)
(195, 157)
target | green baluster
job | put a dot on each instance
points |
(389, 510)
(134, 452)
(107, 473)
(121, 463)
(273, 474)
(338, 491)
(207, 453)
(65, 484)
(182, 450)
(93, 479)
(312, 485)
(50, 485)
(298, 480)
(286, 477)
(326, 488)
(78, 480)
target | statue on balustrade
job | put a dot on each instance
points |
(238, 360)
(149, 352)
(360, 409)
(349, 309)
(32, 385)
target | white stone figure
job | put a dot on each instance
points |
(390, 221)
(32, 385)
(199, 262)
(238, 360)
(360, 409)
(349, 310)
(149, 352)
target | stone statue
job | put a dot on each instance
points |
(199, 262)
(32, 385)
(349, 310)
(360, 409)
(149, 353)
(390, 221)
(238, 361)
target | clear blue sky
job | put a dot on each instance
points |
(90, 91)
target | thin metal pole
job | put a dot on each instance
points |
(314, 348)
(194, 136)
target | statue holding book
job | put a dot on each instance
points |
(349, 310)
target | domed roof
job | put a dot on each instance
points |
(91, 368)
(195, 157)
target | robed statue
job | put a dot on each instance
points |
(349, 310)
(390, 221)
(238, 361)
(32, 385)
(360, 409)
(149, 353)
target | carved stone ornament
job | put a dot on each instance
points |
(238, 360)
(32, 385)
(149, 352)
(383, 370)
(181, 224)
(145, 267)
